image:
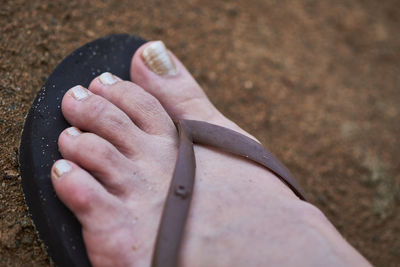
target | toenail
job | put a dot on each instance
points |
(61, 167)
(107, 78)
(73, 131)
(79, 93)
(158, 60)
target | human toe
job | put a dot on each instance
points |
(93, 113)
(79, 190)
(140, 106)
(100, 158)
(159, 72)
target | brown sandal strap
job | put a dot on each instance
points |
(238, 144)
(176, 209)
(177, 204)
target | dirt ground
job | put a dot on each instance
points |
(318, 82)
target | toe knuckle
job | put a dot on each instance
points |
(93, 145)
(82, 199)
(152, 103)
(109, 154)
(117, 122)
(97, 106)
(127, 89)
(149, 104)
(127, 85)
(102, 114)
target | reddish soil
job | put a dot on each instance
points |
(318, 82)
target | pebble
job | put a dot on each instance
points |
(27, 240)
(10, 174)
(248, 85)
(25, 222)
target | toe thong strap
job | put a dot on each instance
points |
(177, 203)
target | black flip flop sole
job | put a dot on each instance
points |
(57, 226)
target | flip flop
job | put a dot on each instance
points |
(57, 226)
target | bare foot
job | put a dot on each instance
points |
(119, 159)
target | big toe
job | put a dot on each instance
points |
(161, 73)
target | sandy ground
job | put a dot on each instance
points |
(318, 82)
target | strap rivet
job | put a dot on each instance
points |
(181, 191)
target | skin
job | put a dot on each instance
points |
(122, 163)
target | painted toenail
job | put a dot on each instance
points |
(79, 93)
(158, 60)
(73, 131)
(61, 167)
(107, 78)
